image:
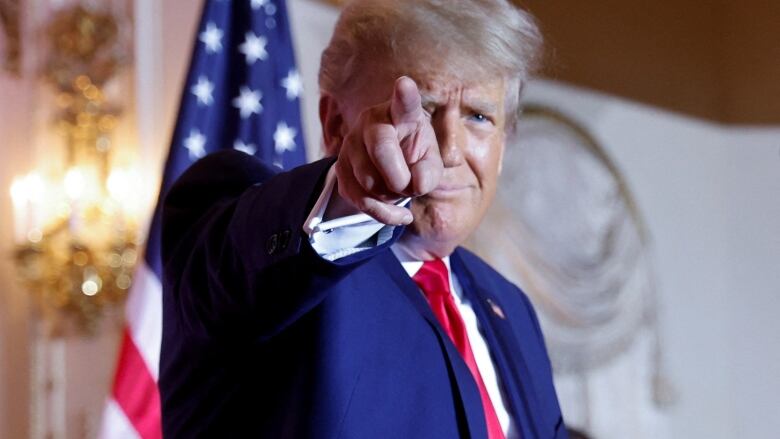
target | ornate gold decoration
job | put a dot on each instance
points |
(79, 243)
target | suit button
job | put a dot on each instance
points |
(284, 239)
(272, 244)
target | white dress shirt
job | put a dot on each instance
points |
(340, 237)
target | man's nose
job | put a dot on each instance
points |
(449, 133)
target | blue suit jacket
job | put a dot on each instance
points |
(263, 338)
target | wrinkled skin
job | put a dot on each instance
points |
(434, 138)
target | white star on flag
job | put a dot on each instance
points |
(253, 48)
(195, 144)
(257, 4)
(248, 102)
(284, 138)
(248, 148)
(212, 38)
(203, 90)
(292, 83)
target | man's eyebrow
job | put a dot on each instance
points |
(481, 106)
(478, 105)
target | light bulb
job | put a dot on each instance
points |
(118, 184)
(19, 190)
(35, 187)
(74, 183)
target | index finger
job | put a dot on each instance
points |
(406, 106)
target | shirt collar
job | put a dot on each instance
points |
(412, 265)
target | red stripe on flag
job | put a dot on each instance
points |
(136, 392)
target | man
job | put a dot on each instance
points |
(333, 300)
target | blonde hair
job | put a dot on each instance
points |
(471, 39)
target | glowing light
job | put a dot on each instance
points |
(93, 283)
(27, 195)
(114, 260)
(19, 190)
(74, 183)
(123, 281)
(89, 287)
(119, 183)
(34, 187)
(126, 186)
(128, 257)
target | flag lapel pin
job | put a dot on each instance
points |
(496, 309)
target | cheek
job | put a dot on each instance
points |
(445, 219)
(480, 143)
(485, 159)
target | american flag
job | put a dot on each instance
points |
(242, 92)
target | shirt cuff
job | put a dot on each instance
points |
(344, 236)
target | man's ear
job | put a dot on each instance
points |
(333, 127)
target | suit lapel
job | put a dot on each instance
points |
(504, 348)
(464, 385)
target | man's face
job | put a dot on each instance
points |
(469, 120)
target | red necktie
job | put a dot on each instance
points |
(433, 278)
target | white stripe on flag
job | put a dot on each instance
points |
(115, 424)
(144, 316)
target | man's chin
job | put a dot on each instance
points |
(430, 239)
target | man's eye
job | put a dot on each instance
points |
(479, 117)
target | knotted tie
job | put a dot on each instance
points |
(433, 278)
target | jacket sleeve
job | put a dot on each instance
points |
(236, 259)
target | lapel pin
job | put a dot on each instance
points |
(496, 309)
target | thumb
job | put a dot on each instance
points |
(406, 107)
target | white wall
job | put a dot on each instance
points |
(752, 242)
(711, 199)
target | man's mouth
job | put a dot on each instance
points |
(449, 190)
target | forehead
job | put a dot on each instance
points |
(439, 89)
(436, 82)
